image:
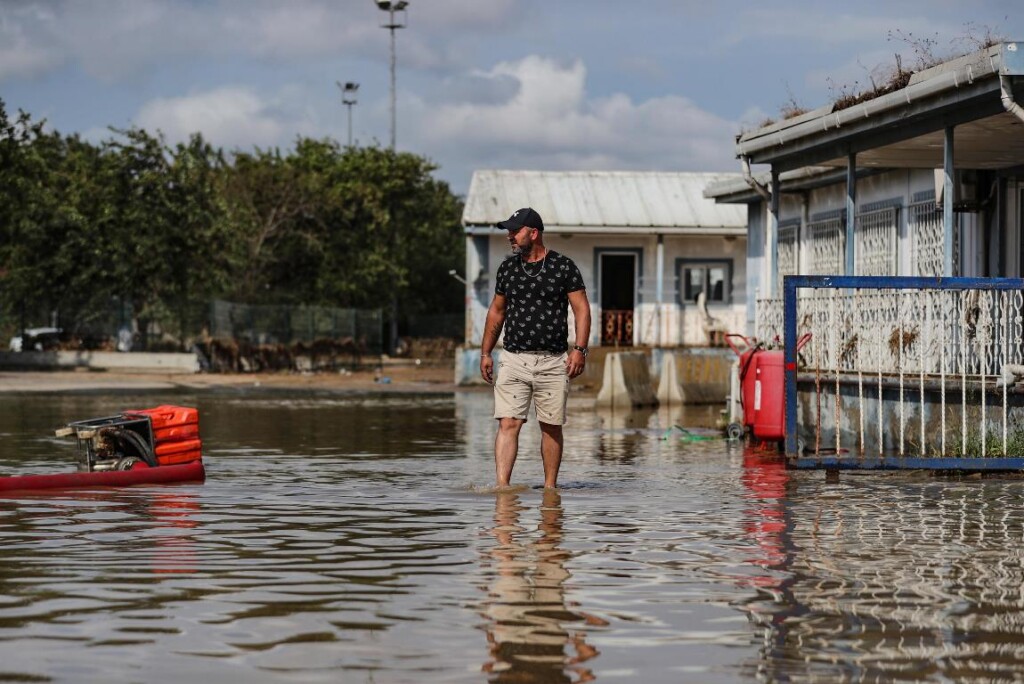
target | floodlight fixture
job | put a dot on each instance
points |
(348, 98)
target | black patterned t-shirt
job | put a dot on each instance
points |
(537, 301)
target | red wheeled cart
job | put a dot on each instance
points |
(762, 386)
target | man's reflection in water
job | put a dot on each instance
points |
(528, 619)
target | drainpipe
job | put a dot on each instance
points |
(752, 182)
(1006, 91)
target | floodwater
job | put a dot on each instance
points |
(353, 538)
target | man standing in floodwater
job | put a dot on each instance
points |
(533, 291)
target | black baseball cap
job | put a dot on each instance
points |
(523, 217)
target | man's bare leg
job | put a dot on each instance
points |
(551, 452)
(506, 446)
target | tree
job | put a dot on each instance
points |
(165, 229)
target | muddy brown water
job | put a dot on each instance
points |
(353, 538)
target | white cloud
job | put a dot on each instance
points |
(551, 123)
(827, 27)
(115, 40)
(20, 54)
(230, 117)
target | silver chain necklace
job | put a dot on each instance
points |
(522, 265)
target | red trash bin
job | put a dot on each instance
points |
(770, 393)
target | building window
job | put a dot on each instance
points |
(714, 278)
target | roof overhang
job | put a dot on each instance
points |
(905, 128)
(796, 181)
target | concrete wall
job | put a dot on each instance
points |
(627, 381)
(849, 418)
(141, 362)
(701, 375)
(695, 376)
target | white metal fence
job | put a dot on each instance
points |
(942, 365)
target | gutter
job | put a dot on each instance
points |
(968, 69)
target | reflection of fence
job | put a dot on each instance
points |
(270, 324)
(909, 366)
(892, 578)
(617, 328)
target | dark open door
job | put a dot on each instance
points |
(618, 297)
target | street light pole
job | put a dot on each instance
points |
(392, 7)
(348, 98)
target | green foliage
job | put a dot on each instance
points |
(166, 228)
(993, 444)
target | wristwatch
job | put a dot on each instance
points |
(581, 350)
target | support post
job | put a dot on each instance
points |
(851, 213)
(789, 357)
(773, 237)
(947, 202)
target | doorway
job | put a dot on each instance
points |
(618, 297)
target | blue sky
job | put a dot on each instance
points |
(520, 84)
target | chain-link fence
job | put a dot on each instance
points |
(247, 337)
(271, 324)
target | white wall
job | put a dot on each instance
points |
(899, 186)
(679, 324)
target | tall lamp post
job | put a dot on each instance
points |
(348, 98)
(393, 7)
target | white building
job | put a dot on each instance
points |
(925, 180)
(647, 244)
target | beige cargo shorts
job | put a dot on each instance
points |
(525, 377)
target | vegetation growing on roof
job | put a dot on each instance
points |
(888, 78)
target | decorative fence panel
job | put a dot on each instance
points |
(827, 245)
(908, 366)
(875, 234)
(928, 235)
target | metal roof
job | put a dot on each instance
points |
(604, 201)
(737, 190)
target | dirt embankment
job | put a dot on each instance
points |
(388, 378)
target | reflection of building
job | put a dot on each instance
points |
(898, 578)
(623, 434)
(528, 618)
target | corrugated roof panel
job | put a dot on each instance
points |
(616, 210)
(580, 199)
